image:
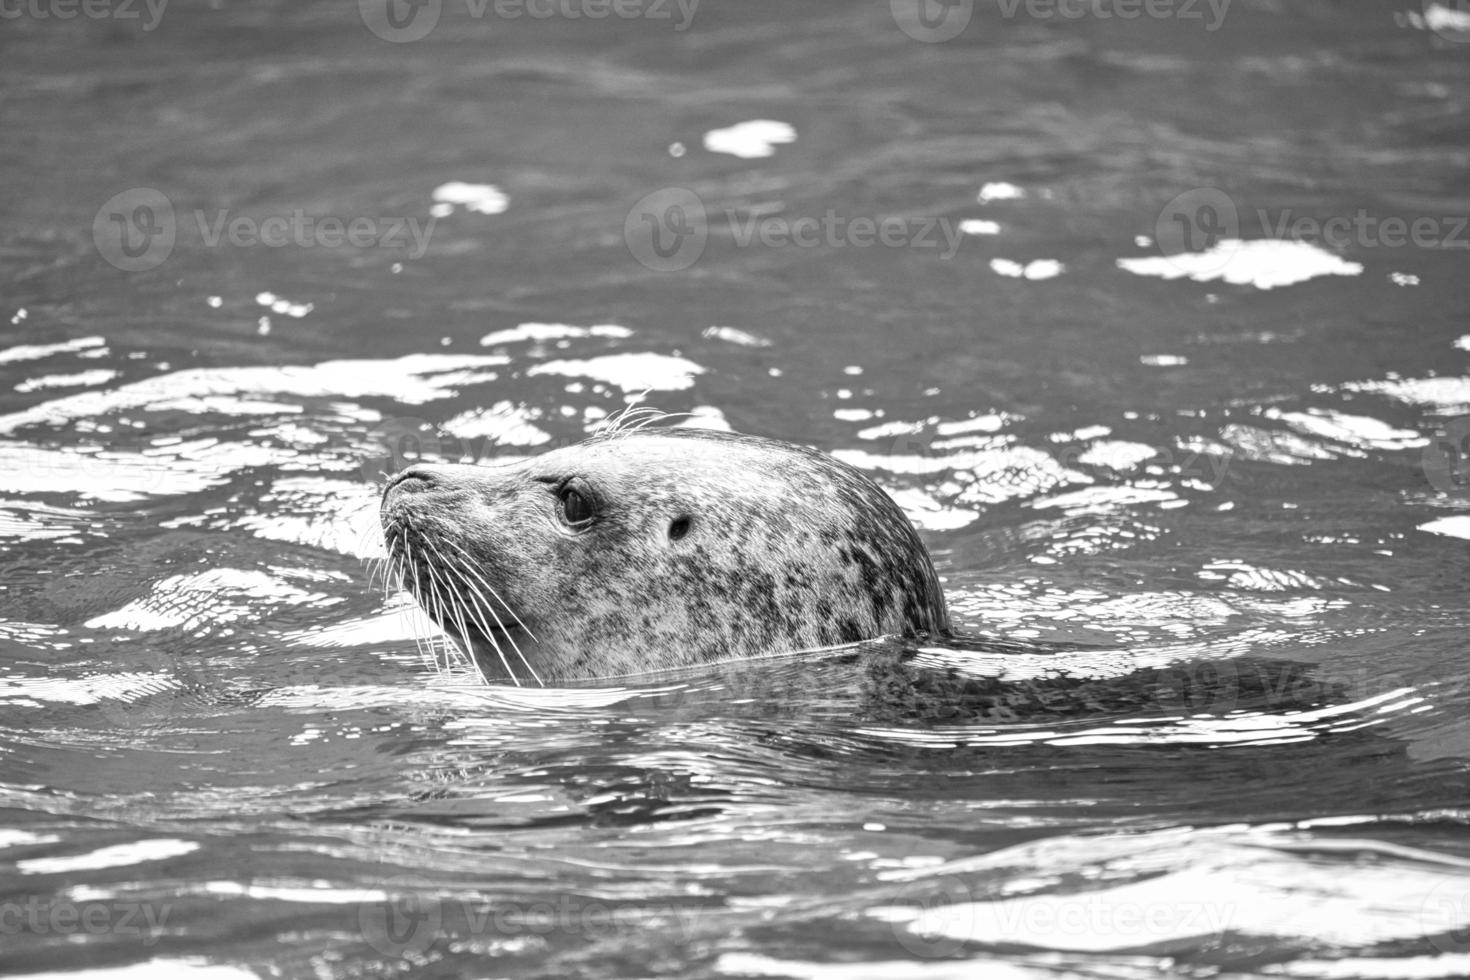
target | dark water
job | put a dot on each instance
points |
(1188, 390)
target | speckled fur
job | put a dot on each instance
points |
(787, 549)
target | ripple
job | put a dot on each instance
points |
(81, 379)
(116, 856)
(1117, 454)
(1148, 890)
(210, 598)
(33, 352)
(122, 477)
(412, 380)
(1099, 500)
(29, 521)
(1243, 575)
(1357, 431)
(505, 423)
(1444, 394)
(928, 513)
(318, 512)
(984, 477)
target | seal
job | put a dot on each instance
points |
(644, 549)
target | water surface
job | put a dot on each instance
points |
(1069, 287)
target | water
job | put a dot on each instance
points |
(1221, 527)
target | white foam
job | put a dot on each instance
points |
(553, 331)
(750, 140)
(1035, 270)
(732, 335)
(999, 191)
(630, 372)
(480, 198)
(1117, 454)
(979, 226)
(1457, 526)
(1263, 263)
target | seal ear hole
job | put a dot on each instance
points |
(679, 527)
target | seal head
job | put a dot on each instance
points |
(646, 550)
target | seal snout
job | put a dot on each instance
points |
(411, 493)
(414, 479)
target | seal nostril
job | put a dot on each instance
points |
(418, 477)
(678, 528)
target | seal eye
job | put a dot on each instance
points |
(678, 528)
(576, 509)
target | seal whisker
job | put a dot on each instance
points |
(383, 575)
(631, 419)
(467, 565)
(502, 625)
(393, 564)
(512, 640)
(614, 422)
(459, 609)
(367, 556)
(377, 569)
(432, 605)
(430, 602)
(367, 541)
(440, 611)
(656, 416)
(423, 643)
(464, 569)
(475, 603)
(513, 645)
(442, 615)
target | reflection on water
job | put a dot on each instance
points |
(1154, 326)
